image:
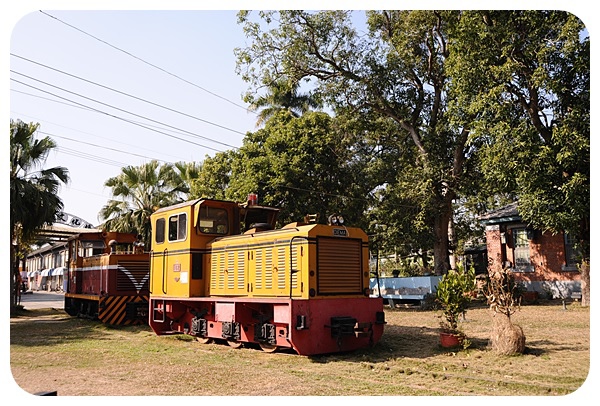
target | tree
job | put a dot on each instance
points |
(213, 176)
(527, 75)
(139, 192)
(281, 95)
(34, 200)
(503, 296)
(395, 71)
(303, 166)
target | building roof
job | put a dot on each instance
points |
(58, 232)
(502, 215)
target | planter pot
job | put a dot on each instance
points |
(450, 340)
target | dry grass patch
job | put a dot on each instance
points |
(78, 357)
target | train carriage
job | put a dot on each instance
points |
(108, 278)
(219, 270)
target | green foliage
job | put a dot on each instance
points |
(302, 165)
(526, 75)
(214, 176)
(34, 190)
(140, 191)
(34, 200)
(404, 267)
(454, 295)
(450, 106)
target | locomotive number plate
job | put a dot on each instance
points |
(340, 232)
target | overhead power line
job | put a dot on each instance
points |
(121, 143)
(117, 117)
(102, 146)
(123, 110)
(127, 94)
(146, 62)
(90, 157)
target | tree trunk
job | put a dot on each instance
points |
(440, 247)
(507, 338)
(585, 283)
(451, 243)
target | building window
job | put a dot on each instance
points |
(521, 250)
(571, 254)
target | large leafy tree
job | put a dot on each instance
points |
(34, 200)
(214, 175)
(395, 71)
(526, 76)
(137, 193)
(281, 95)
(304, 165)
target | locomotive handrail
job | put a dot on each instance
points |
(377, 273)
(291, 260)
(150, 275)
(163, 270)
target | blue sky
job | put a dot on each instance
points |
(195, 104)
(193, 74)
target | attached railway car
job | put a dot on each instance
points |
(221, 271)
(108, 278)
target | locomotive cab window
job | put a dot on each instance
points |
(160, 231)
(213, 220)
(178, 227)
(91, 248)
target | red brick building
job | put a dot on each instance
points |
(543, 261)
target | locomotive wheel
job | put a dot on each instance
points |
(204, 340)
(234, 344)
(268, 347)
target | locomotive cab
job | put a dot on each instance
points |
(180, 238)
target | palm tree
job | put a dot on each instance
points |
(188, 172)
(282, 95)
(138, 192)
(34, 200)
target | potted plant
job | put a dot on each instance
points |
(454, 295)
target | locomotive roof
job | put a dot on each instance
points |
(193, 202)
(179, 205)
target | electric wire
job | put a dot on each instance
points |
(128, 95)
(146, 62)
(90, 157)
(103, 147)
(84, 132)
(123, 110)
(117, 117)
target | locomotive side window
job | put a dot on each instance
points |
(160, 231)
(213, 221)
(91, 248)
(178, 227)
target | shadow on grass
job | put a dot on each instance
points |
(48, 327)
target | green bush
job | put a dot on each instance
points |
(454, 295)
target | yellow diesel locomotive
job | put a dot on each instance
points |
(221, 271)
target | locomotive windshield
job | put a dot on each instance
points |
(213, 220)
(252, 216)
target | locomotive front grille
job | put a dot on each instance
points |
(133, 275)
(339, 266)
